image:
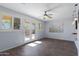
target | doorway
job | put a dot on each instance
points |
(33, 36)
(27, 30)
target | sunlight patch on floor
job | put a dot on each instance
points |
(34, 43)
(38, 42)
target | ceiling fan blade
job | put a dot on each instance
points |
(48, 16)
(53, 8)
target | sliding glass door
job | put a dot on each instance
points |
(26, 25)
(33, 31)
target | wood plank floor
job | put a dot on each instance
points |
(48, 47)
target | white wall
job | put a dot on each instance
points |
(77, 41)
(13, 38)
(64, 15)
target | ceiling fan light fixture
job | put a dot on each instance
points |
(46, 17)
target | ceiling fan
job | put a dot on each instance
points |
(47, 16)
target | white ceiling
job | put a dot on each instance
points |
(37, 9)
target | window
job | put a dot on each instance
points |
(16, 23)
(6, 22)
(39, 26)
(33, 28)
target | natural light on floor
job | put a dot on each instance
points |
(38, 42)
(34, 43)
